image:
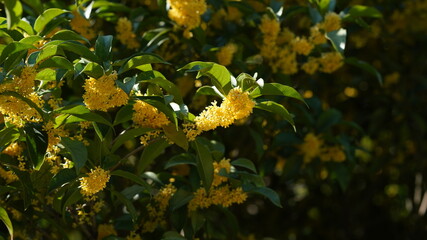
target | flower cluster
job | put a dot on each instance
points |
(82, 25)
(236, 105)
(313, 147)
(225, 54)
(102, 94)
(146, 115)
(15, 110)
(95, 181)
(125, 34)
(186, 13)
(221, 195)
(156, 211)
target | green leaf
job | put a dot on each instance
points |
(68, 35)
(103, 47)
(338, 39)
(218, 74)
(127, 85)
(25, 26)
(12, 48)
(62, 177)
(151, 152)
(31, 39)
(27, 101)
(168, 86)
(204, 163)
(8, 135)
(132, 177)
(83, 113)
(342, 174)
(94, 70)
(46, 17)
(183, 158)
(278, 109)
(180, 198)
(49, 51)
(172, 235)
(209, 91)
(127, 135)
(129, 206)
(266, 192)
(78, 152)
(77, 48)
(134, 62)
(36, 141)
(276, 89)
(123, 115)
(364, 66)
(328, 118)
(6, 220)
(35, 4)
(357, 11)
(244, 162)
(56, 62)
(13, 12)
(176, 135)
(73, 198)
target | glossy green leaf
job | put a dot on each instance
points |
(180, 198)
(123, 115)
(46, 17)
(56, 62)
(127, 85)
(48, 52)
(129, 206)
(127, 135)
(338, 39)
(72, 199)
(245, 163)
(276, 89)
(12, 48)
(328, 118)
(151, 152)
(278, 109)
(62, 177)
(183, 158)
(132, 177)
(357, 11)
(134, 62)
(13, 12)
(35, 5)
(204, 164)
(168, 87)
(364, 66)
(25, 27)
(79, 49)
(103, 47)
(8, 135)
(78, 152)
(36, 142)
(84, 113)
(4, 217)
(177, 136)
(264, 191)
(94, 70)
(68, 35)
(31, 39)
(209, 91)
(197, 220)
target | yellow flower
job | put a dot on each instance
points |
(332, 22)
(238, 104)
(310, 66)
(302, 46)
(270, 28)
(311, 147)
(334, 153)
(8, 175)
(223, 196)
(225, 54)
(102, 94)
(223, 164)
(186, 13)
(13, 150)
(81, 25)
(105, 230)
(316, 37)
(125, 34)
(330, 62)
(95, 181)
(146, 115)
(157, 211)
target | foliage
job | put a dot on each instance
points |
(147, 119)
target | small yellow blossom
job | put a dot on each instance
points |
(13, 150)
(146, 115)
(8, 175)
(95, 181)
(125, 34)
(310, 66)
(186, 13)
(81, 25)
(223, 164)
(133, 236)
(225, 54)
(311, 147)
(332, 22)
(334, 153)
(316, 36)
(330, 62)
(223, 196)
(102, 94)
(302, 46)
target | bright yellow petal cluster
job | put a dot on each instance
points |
(332, 22)
(302, 46)
(156, 212)
(15, 110)
(8, 175)
(223, 196)
(13, 150)
(125, 34)
(225, 54)
(95, 181)
(316, 36)
(334, 153)
(81, 25)
(102, 94)
(236, 105)
(186, 13)
(146, 115)
(270, 28)
(311, 66)
(223, 164)
(311, 147)
(330, 62)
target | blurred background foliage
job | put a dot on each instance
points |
(354, 168)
